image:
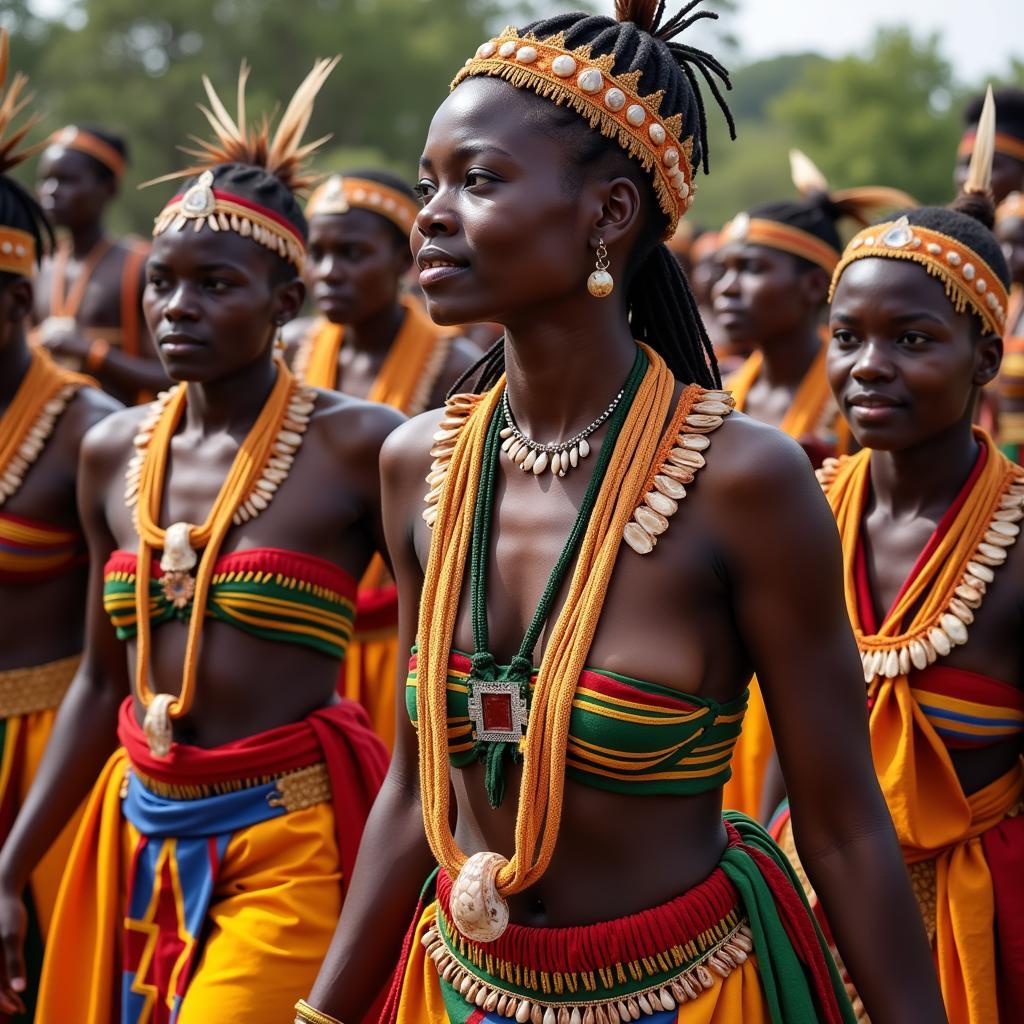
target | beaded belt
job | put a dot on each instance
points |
(603, 984)
(38, 688)
(294, 790)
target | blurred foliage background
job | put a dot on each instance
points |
(888, 115)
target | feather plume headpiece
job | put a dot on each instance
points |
(17, 247)
(14, 100)
(855, 203)
(282, 154)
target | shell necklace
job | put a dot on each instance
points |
(29, 420)
(260, 467)
(528, 454)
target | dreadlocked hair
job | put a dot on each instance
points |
(18, 207)
(661, 308)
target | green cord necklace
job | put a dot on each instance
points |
(499, 695)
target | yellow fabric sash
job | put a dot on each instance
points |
(808, 407)
(542, 786)
(410, 370)
(934, 819)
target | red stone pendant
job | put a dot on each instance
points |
(497, 710)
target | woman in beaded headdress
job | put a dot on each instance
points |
(212, 856)
(88, 303)
(776, 261)
(373, 342)
(929, 513)
(44, 412)
(619, 892)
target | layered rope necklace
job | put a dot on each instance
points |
(65, 302)
(262, 464)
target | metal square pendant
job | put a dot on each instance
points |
(497, 710)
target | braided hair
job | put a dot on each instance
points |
(661, 308)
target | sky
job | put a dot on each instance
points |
(979, 36)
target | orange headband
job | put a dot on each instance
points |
(1012, 206)
(968, 279)
(339, 195)
(85, 142)
(610, 103)
(17, 252)
(776, 235)
(1010, 145)
(204, 206)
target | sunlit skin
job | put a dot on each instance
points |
(75, 195)
(213, 302)
(768, 300)
(1007, 175)
(501, 238)
(356, 264)
(906, 369)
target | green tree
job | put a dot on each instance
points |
(136, 69)
(890, 117)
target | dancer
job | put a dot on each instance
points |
(776, 262)
(929, 515)
(372, 342)
(215, 848)
(44, 412)
(1009, 231)
(573, 143)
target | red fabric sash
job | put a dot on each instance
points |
(376, 609)
(1004, 851)
(338, 734)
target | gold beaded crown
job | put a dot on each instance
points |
(969, 281)
(611, 103)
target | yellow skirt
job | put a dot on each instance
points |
(266, 924)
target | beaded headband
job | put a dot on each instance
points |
(611, 103)
(17, 252)
(202, 205)
(1008, 144)
(776, 235)
(79, 139)
(968, 279)
(340, 194)
(1011, 207)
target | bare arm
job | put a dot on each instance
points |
(790, 609)
(394, 858)
(84, 732)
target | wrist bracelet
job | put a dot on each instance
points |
(97, 355)
(306, 1014)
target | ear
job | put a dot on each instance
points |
(814, 284)
(988, 353)
(289, 298)
(618, 215)
(18, 301)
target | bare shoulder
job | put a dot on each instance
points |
(108, 441)
(353, 426)
(406, 453)
(758, 478)
(89, 406)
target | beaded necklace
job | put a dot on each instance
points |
(498, 696)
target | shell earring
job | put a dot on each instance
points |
(600, 283)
